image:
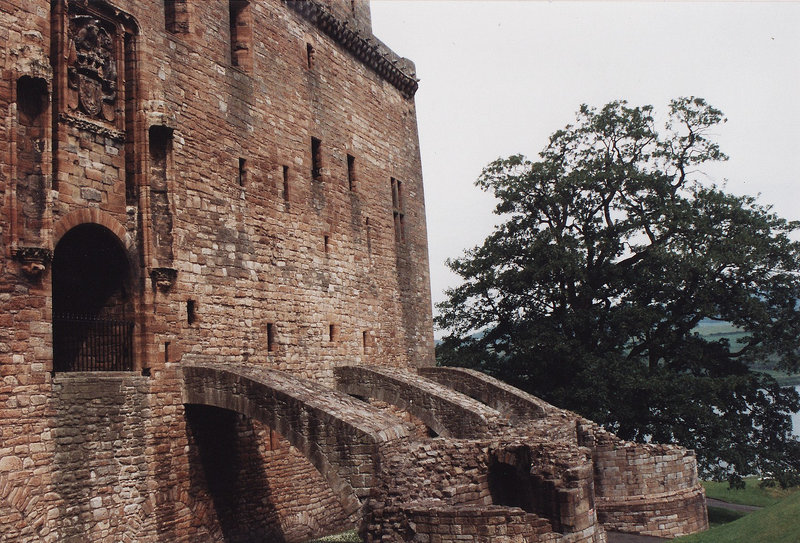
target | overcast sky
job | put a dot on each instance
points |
(497, 78)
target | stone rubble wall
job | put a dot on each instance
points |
(643, 488)
(422, 483)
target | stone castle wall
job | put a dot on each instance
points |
(190, 140)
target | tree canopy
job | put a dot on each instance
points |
(609, 256)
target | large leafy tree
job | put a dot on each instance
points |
(609, 255)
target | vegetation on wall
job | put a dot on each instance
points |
(609, 255)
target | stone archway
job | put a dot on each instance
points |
(339, 435)
(92, 302)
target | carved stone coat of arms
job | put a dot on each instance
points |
(92, 68)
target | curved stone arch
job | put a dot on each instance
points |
(92, 215)
(24, 508)
(339, 435)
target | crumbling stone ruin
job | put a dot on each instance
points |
(215, 299)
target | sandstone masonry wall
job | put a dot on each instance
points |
(192, 147)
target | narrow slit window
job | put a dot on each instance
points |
(398, 210)
(242, 172)
(364, 340)
(310, 54)
(327, 242)
(271, 346)
(316, 159)
(333, 333)
(286, 183)
(351, 172)
(369, 237)
(191, 311)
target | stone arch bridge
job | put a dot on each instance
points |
(503, 465)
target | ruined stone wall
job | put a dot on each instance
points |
(448, 490)
(645, 488)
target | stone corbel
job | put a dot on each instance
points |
(163, 278)
(33, 260)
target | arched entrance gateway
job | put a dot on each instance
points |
(92, 304)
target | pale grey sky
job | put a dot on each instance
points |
(497, 78)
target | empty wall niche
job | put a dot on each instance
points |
(33, 100)
(160, 148)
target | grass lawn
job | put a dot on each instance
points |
(774, 524)
(752, 494)
(717, 516)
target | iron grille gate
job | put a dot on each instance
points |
(88, 343)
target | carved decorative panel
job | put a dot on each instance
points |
(92, 68)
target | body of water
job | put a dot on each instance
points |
(796, 418)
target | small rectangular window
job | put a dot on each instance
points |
(364, 340)
(241, 33)
(316, 159)
(351, 172)
(242, 172)
(398, 210)
(333, 333)
(271, 346)
(327, 242)
(286, 183)
(176, 16)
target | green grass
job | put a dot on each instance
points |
(752, 494)
(774, 524)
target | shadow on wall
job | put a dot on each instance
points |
(227, 464)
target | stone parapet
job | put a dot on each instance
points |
(510, 401)
(447, 413)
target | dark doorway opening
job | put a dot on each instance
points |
(92, 307)
(516, 486)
